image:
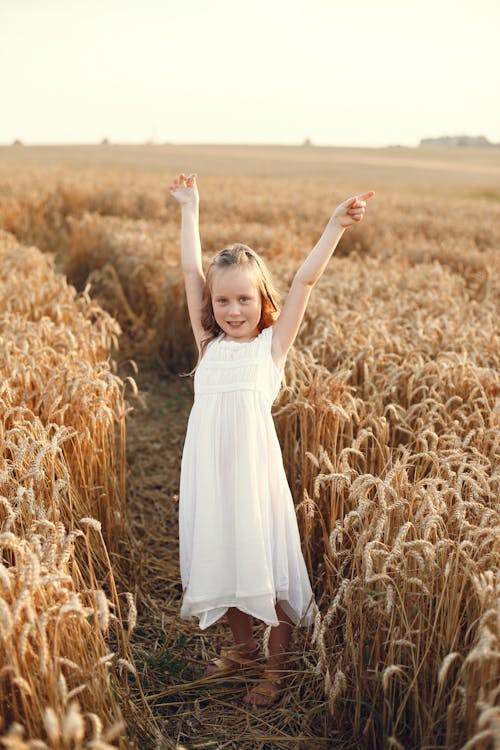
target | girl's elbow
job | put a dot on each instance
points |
(305, 279)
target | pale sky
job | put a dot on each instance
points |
(360, 73)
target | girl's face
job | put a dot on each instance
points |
(237, 303)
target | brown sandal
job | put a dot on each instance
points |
(269, 687)
(231, 661)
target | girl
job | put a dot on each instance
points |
(240, 550)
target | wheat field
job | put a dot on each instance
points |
(388, 420)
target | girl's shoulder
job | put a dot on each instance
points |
(208, 346)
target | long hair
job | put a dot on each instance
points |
(244, 257)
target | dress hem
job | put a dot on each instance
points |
(209, 615)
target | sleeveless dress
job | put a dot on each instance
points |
(239, 541)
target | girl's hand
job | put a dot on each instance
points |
(352, 210)
(185, 190)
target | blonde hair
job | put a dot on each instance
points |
(244, 257)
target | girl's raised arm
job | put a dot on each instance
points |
(287, 325)
(185, 191)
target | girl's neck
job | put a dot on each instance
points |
(239, 340)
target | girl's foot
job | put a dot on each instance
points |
(231, 660)
(266, 692)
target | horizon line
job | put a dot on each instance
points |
(443, 140)
(19, 142)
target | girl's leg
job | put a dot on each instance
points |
(279, 640)
(266, 691)
(241, 626)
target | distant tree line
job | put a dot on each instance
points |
(469, 141)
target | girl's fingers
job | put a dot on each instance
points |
(356, 214)
(181, 180)
(359, 200)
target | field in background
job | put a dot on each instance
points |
(475, 171)
(389, 420)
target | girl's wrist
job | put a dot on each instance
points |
(191, 207)
(335, 223)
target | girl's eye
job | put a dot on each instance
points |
(243, 299)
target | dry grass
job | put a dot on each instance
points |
(389, 425)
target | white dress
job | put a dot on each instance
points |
(238, 534)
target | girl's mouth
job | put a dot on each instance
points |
(235, 323)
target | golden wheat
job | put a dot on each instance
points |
(61, 420)
(389, 420)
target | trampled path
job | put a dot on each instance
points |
(169, 652)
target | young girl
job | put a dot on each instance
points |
(239, 542)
